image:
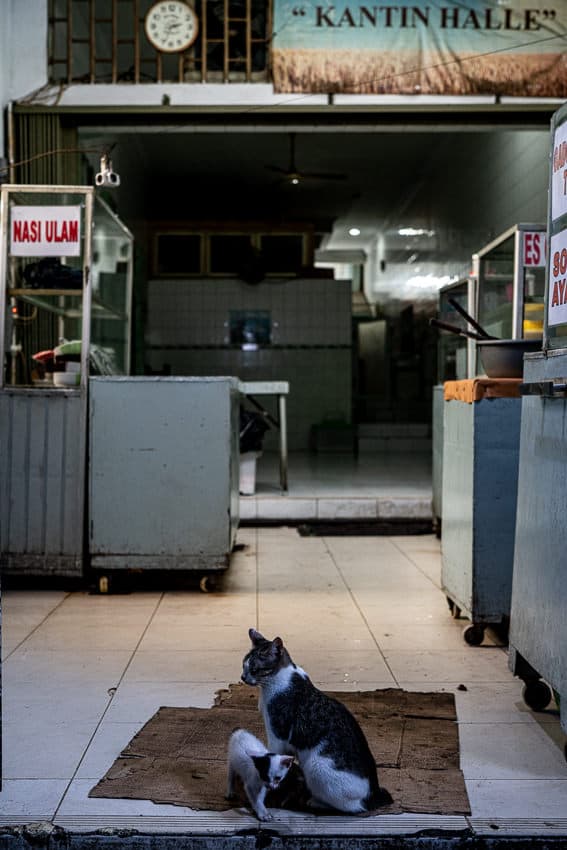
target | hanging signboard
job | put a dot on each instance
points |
(435, 47)
(559, 173)
(557, 298)
(533, 248)
(45, 231)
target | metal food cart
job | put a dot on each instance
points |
(481, 436)
(163, 495)
(454, 359)
(65, 295)
(538, 625)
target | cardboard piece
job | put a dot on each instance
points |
(179, 756)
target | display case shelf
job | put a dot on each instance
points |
(27, 293)
(39, 298)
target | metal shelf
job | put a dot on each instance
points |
(37, 297)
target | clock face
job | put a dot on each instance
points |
(171, 26)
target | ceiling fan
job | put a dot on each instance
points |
(292, 174)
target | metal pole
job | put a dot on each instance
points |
(283, 440)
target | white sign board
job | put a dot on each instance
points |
(45, 231)
(533, 248)
(557, 297)
(559, 173)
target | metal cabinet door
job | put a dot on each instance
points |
(160, 471)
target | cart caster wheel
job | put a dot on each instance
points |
(473, 634)
(537, 695)
(206, 584)
(454, 609)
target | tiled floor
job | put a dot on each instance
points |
(83, 673)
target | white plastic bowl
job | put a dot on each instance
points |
(66, 379)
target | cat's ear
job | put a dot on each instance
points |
(255, 636)
(278, 643)
(287, 761)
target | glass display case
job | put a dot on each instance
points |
(65, 287)
(65, 294)
(510, 283)
(455, 353)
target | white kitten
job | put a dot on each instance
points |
(259, 770)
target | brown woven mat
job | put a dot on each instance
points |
(179, 756)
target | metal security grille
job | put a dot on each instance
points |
(46, 150)
(104, 41)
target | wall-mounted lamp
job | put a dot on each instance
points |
(106, 176)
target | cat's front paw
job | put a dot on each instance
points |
(265, 815)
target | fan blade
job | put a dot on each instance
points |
(295, 175)
(321, 175)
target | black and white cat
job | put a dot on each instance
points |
(332, 751)
(259, 770)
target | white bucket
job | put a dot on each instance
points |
(247, 485)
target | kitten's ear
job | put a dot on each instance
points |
(287, 761)
(255, 636)
(278, 643)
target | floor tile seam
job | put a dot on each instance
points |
(358, 608)
(31, 653)
(450, 682)
(471, 652)
(197, 649)
(9, 778)
(109, 703)
(414, 563)
(38, 626)
(183, 681)
(108, 622)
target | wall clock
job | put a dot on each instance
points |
(171, 26)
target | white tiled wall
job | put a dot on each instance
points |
(311, 322)
(196, 312)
